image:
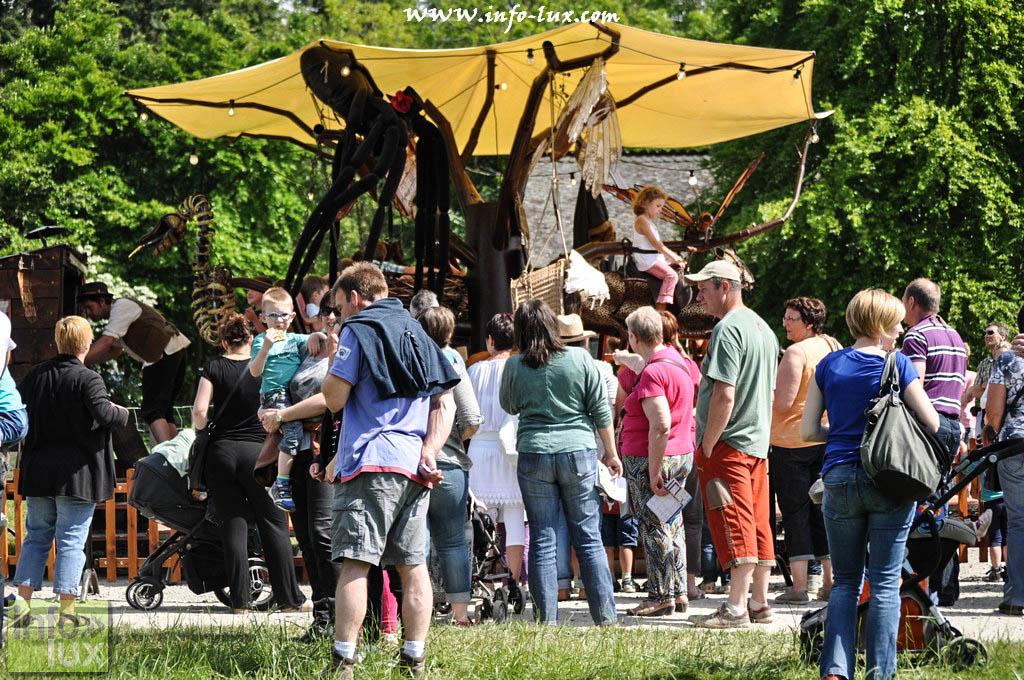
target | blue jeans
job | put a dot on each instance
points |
(1011, 477)
(13, 426)
(69, 520)
(859, 518)
(554, 482)
(446, 517)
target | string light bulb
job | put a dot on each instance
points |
(143, 116)
(572, 178)
(692, 181)
(231, 108)
(682, 72)
(501, 86)
(310, 196)
(796, 77)
(529, 56)
(345, 71)
(815, 138)
(193, 158)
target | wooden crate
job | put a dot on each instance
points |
(51, 277)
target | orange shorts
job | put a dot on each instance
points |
(735, 490)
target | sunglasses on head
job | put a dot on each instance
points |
(327, 311)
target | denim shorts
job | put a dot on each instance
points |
(291, 432)
(618, 531)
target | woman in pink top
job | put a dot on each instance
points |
(656, 443)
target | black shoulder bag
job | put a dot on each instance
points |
(197, 454)
(903, 458)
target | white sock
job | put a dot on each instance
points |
(346, 650)
(755, 605)
(627, 576)
(414, 648)
(733, 609)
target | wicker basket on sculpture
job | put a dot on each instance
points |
(455, 298)
(546, 284)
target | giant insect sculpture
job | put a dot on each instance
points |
(374, 144)
(213, 297)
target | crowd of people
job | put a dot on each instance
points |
(382, 436)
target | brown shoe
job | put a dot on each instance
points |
(414, 668)
(563, 594)
(340, 668)
(582, 595)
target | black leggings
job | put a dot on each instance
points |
(239, 499)
(312, 522)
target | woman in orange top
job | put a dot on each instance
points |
(793, 464)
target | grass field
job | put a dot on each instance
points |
(511, 651)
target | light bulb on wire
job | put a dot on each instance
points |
(572, 178)
(682, 72)
(231, 108)
(815, 138)
(143, 116)
(345, 71)
(796, 77)
(310, 196)
(193, 158)
(692, 181)
(529, 56)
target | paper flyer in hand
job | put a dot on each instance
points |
(666, 507)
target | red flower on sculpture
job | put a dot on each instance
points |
(401, 102)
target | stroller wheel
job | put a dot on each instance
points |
(144, 596)
(259, 582)
(963, 652)
(501, 610)
(486, 608)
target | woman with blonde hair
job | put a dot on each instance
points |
(655, 260)
(858, 517)
(67, 467)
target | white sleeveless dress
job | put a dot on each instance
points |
(645, 261)
(493, 475)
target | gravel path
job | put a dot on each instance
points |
(974, 613)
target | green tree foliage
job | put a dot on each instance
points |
(919, 171)
(77, 154)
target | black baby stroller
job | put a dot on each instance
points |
(923, 627)
(160, 493)
(490, 570)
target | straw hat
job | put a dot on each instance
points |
(570, 328)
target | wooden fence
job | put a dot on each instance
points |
(124, 545)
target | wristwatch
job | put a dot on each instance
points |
(277, 418)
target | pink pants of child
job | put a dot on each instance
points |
(669, 279)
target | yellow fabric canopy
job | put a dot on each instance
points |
(733, 91)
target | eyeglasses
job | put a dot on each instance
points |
(991, 332)
(327, 311)
(791, 318)
(278, 316)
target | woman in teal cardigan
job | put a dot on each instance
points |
(559, 397)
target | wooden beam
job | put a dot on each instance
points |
(474, 133)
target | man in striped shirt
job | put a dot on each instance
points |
(940, 358)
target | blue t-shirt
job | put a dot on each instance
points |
(283, 360)
(849, 380)
(10, 399)
(377, 435)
